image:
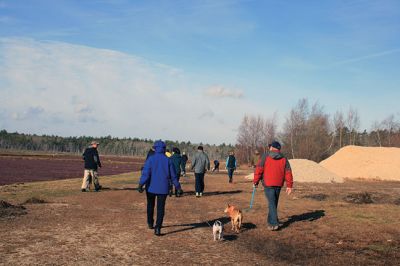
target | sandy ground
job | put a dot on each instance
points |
(320, 225)
(376, 163)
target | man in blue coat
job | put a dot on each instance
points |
(157, 174)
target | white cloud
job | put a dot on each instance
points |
(221, 92)
(65, 89)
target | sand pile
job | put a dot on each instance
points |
(365, 162)
(309, 171)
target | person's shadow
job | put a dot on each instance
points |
(117, 189)
(308, 216)
(209, 223)
(213, 193)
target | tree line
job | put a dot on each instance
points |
(108, 145)
(308, 132)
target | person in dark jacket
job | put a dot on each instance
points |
(184, 161)
(157, 174)
(274, 169)
(92, 162)
(216, 166)
(177, 161)
(230, 165)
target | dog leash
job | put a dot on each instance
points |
(252, 197)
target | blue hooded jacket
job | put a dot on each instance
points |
(158, 171)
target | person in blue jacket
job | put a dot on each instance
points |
(157, 174)
(230, 165)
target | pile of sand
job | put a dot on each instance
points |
(365, 162)
(309, 171)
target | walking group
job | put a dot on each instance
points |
(162, 171)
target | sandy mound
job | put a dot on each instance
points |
(309, 171)
(365, 162)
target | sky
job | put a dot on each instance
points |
(189, 70)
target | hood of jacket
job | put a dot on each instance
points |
(159, 146)
(276, 155)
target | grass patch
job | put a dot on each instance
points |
(359, 198)
(50, 190)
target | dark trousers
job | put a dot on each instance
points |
(272, 194)
(199, 179)
(151, 201)
(230, 174)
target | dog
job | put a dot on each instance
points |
(218, 230)
(236, 217)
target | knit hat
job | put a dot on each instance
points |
(276, 145)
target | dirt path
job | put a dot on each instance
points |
(109, 227)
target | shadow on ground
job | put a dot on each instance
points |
(117, 189)
(308, 216)
(213, 193)
(209, 223)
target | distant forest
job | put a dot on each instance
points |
(108, 145)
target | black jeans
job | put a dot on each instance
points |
(199, 182)
(230, 173)
(151, 201)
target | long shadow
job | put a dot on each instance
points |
(192, 226)
(117, 189)
(209, 223)
(308, 216)
(213, 193)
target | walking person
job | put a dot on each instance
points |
(157, 174)
(92, 162)
(184, 161)
(216, 166)
(275, 169)
(177, 161)
(230, 165)
(200, 165)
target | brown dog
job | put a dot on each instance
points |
(236, 217)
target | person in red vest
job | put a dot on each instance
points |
(274, 169)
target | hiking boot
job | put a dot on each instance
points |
(157, 231)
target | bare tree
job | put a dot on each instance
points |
(390, 126)
(339, 124)
(295, 125)
(255, 132)
(353, 123)
(270, 130)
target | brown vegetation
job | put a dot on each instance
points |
(19, 168)
(109, 227)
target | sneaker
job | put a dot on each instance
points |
(84, 190)
(197, 194)
(157, 231)
(201, 194)
(150, 226)
(273, 227)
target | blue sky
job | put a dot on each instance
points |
(93, 67)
